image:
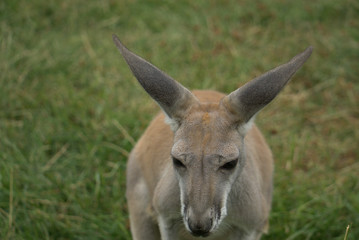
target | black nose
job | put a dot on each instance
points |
(199, 229)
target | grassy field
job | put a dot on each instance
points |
(70, 110)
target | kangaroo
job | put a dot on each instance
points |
(202, 168)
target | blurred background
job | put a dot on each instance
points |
(70, 110)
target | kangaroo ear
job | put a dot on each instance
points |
(246, 101)
(172, 97)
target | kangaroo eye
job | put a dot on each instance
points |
(229, 165)
(178, 163)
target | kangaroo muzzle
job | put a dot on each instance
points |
(199, 222)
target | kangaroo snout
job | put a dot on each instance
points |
(200, 224)
(200, 229)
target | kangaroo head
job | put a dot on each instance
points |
(208, 152)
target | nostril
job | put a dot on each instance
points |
(198, 227)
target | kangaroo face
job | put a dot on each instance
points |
(207, 157)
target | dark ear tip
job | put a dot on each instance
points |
(117, 42)
(303, 56)
(115, 38)
(309, 50)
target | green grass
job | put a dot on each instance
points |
(70, 108)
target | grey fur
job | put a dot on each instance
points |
(256, 94)
(168, 93)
